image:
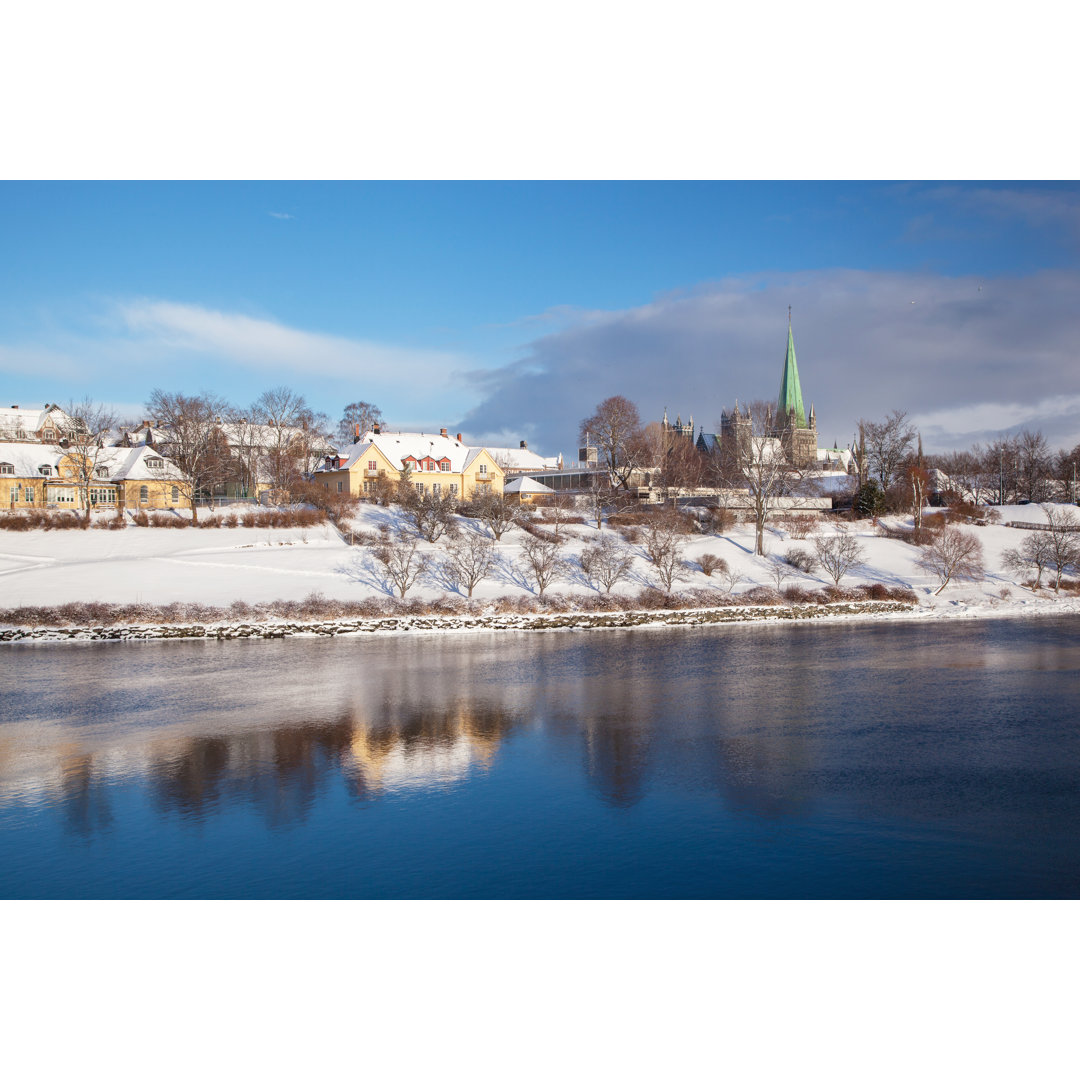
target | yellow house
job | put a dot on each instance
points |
(41, 476)
(434, 464)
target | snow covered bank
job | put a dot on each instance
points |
(234, 571)
(444, 623)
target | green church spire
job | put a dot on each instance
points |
(790, 399)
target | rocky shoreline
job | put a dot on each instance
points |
(227, 631)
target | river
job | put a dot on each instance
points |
(849, 760)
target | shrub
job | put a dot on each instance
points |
(801, 559)
(141, 519)
(719, 518)
(709, 562)
(800, 526)
(764, 596)
(796, 594)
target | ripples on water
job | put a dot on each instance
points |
(852, 760)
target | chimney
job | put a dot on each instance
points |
(442, 432)
(524, 445)
(376, 429)
(459, 437)
(356, 433)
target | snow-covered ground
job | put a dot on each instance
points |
(219, 566)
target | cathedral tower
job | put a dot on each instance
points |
(791, 423)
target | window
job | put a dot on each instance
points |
(444, 465)
(29, 495)
(102, 496)
(372, 466)
(6, 469)
(369, 487)
(154, 463)
(144, 494)
(45, 470)
(339, 485)
(420, 488)
(175, 494)
(436, 489)
(101, 472)
(483, 470)
(453, 489)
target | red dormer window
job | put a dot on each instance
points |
(444, 465)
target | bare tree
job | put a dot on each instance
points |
(469, 560)
(780, 571)
(964, 473)
(289, 424)
(953, 553)
(558, 511)
(496, 511)
(1033, 465)
(84, 435)
(360, 414)
(1001, 469)
(1036, 552)
(615, 430)
(681, 467)
(731, 576)
(598, 497)
(606, 562)
(432, 515)
(838, 554)
(1064, 541)
(541, 562)
(192, 440)
(888, 443)
(761, 462)
(404, 564)
(664, 543)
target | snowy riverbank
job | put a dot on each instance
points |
(232, 572)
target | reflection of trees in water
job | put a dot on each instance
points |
(285, 770)
(86, 798)
(764, 773)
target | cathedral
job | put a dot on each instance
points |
(789, 423)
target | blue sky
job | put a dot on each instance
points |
(508, 310)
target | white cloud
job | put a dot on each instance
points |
(264, 343)
(863, 349)
(280, 215)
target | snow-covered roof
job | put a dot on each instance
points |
(525, 485)
(124, 464)
(136, 436)
(28, 421)
(28, 457)
(843, 457)
(522, 459)
(399, 447)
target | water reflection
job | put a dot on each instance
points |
(972, 729)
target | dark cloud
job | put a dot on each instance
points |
(967, 357)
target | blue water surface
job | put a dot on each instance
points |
(850, 760)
